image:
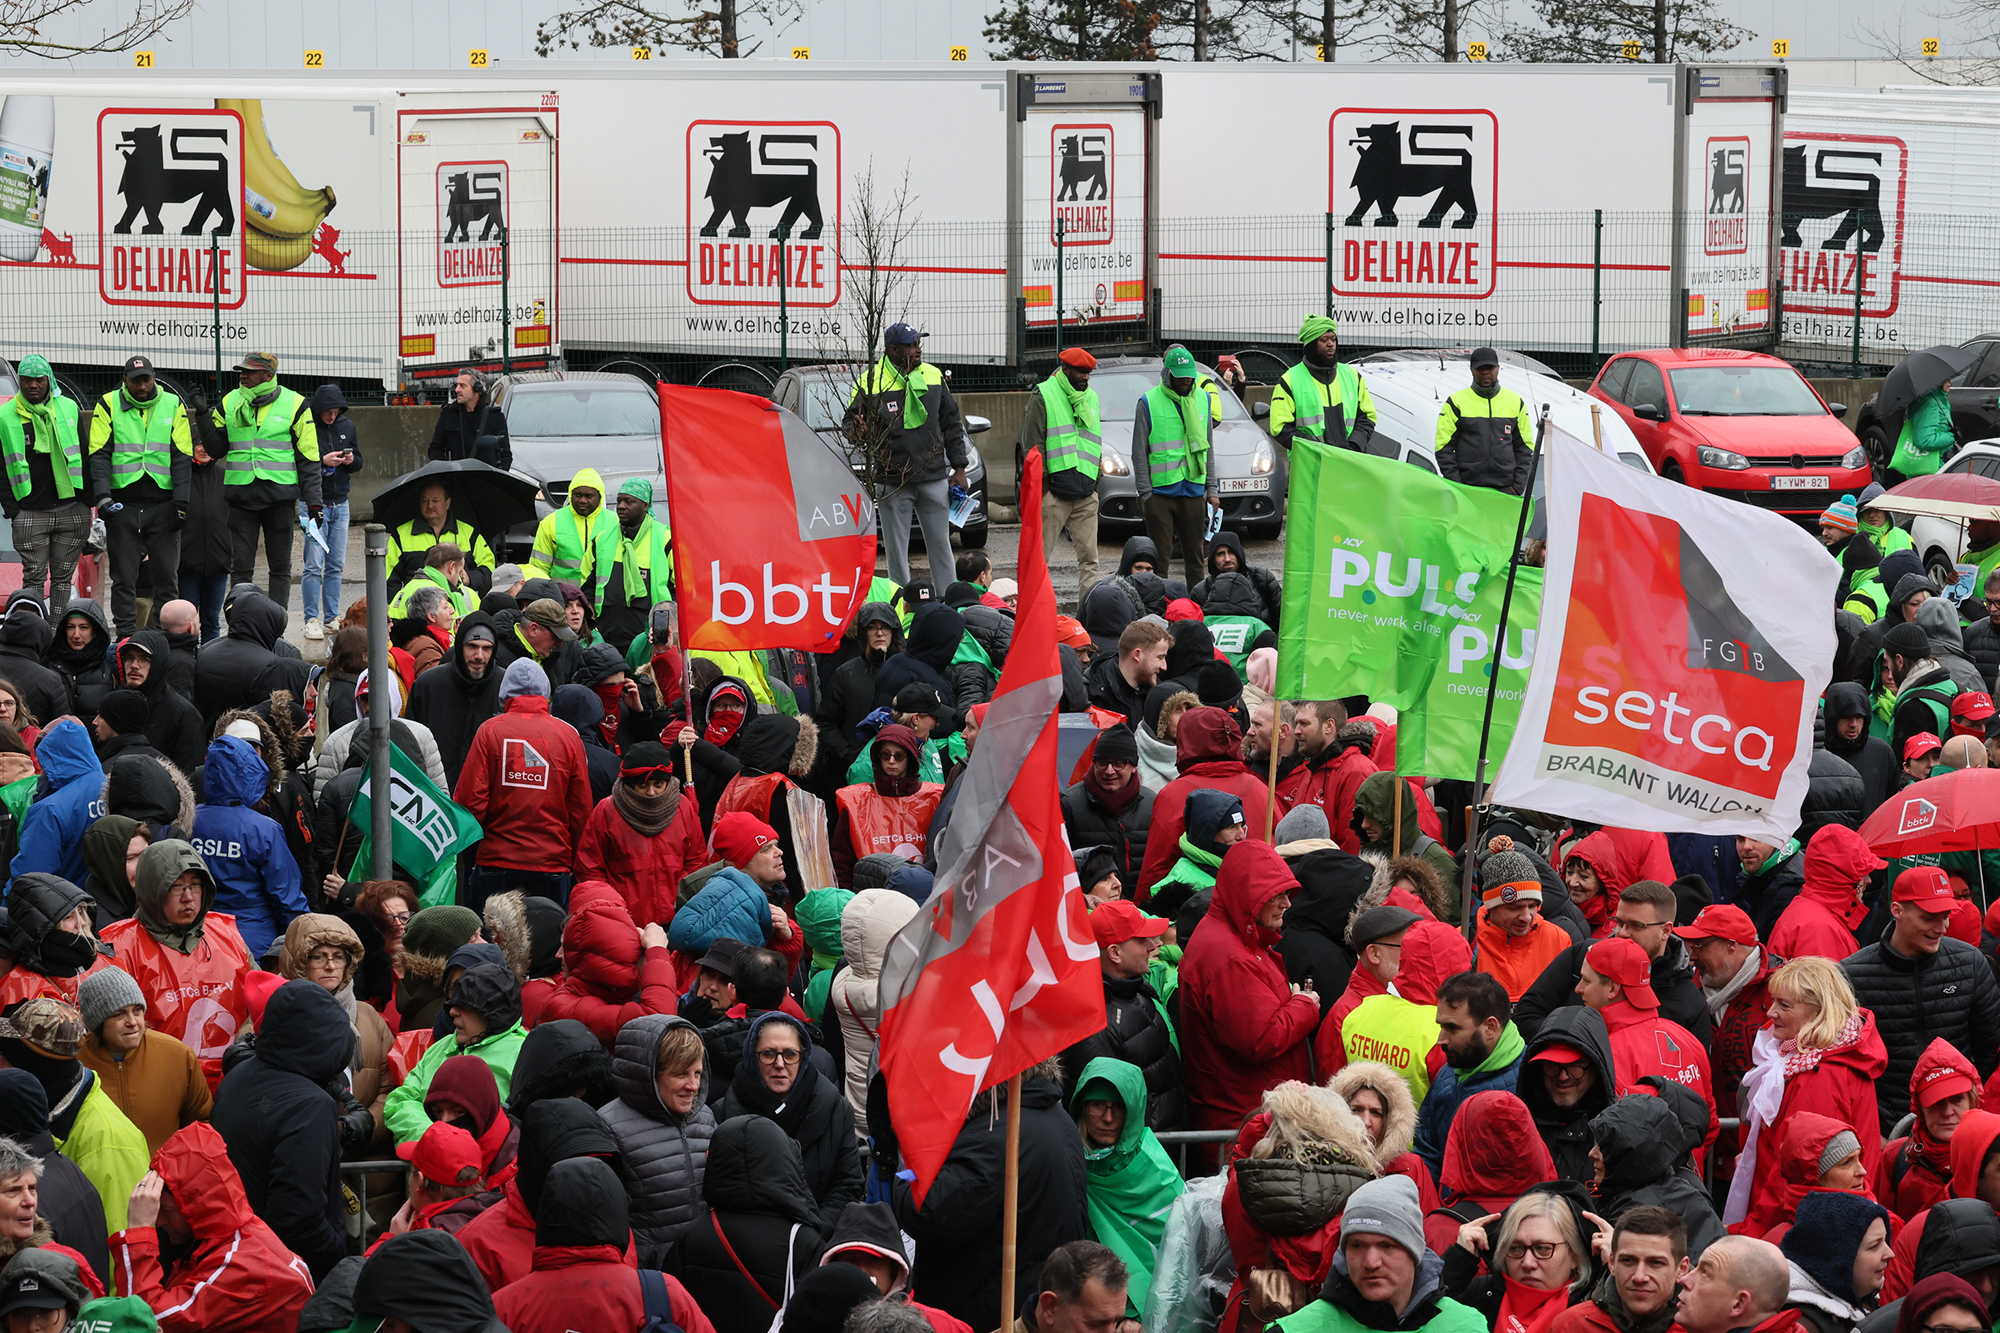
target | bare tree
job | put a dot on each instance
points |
(1590, 30)
(1075, 29)
(1420, 29)
(1974, 26)
(686, 24)
(22, 25)
(875, 237)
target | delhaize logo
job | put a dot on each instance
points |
(1415, 192)
(1701, 710)
(1081, 163)
(1843, 206)
(747, 181)
(472, 209)
(1727, 229)
(169, 208)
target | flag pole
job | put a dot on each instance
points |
(1010, 1204)
(1493, 669)
(680, 594)
(1396, 812)
(1271, 787)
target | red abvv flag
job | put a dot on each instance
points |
(999, 970)
(774, 536)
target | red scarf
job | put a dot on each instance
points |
(1526, 1309)
(1121, 800)
(613, 699)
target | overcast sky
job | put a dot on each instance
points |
(437, 34)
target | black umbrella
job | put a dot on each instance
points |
(483, 496)
(1920, 373)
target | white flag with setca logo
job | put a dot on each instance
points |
(1683, 645)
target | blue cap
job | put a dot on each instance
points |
(900, 334)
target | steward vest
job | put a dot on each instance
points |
(142, 442)
(896, 824)
(1070, 444)
(1936, 697)
(261, 447)
(1172, 458)
(14, 448)
(1870, 594)
(751, 795)
(648, 551)
(1395, 1031)
(1310, 408)
(463, 599)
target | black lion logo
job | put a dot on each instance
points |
(148, 182)
(1861, 202)
(462, 208)
(1382, 178)
(735, 186)
(1725, 181)
(1081, 169)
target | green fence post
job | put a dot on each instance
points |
(1854, 370)
(215, 296)
(506, 307)
(784, 313)
(1329, 266)
(1596, 281)
(1059, 286)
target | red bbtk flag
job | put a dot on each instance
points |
(999, 970)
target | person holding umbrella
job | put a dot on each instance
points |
(410, 542)
(1918, 388)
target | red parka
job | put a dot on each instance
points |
(527, 782)
(1643, 1044)
(646, 871)
(1329, 781)
(586, 1286)
(239, 1277)
(1915, 1171)
(605, 982)
(1799, 1152)
(1821, 920)
(1841, 1087)
(1493, 1155)
(1243, 1031)
(1207, 750)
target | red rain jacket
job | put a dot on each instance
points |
(605, 983)
(1904, 1183)
(1208, 754)
(1492, 1156)
(526, 781)
(195, 998)
(1822, 919)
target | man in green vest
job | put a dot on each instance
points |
(902, 412)
(410, 542)
(443, 568)
(1170, 430)
(641, 574)
(1485, 436)
(271, 434)
(576, 543)
(44, 495)
(141, 473)
(1319, 399)
(1063, 421)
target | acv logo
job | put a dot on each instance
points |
(1918, 815)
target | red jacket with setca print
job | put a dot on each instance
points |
(527, 783)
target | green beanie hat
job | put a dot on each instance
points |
(116, 1314)
(1316, 327)
(436, 931)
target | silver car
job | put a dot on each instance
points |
(562, 421)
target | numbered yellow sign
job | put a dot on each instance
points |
(802, 53)
(642, 53)
(1630, 50)
(142, 60)
(959, 53)
(1780, 47)
(478, 60)
(1476, 51)
(315, 60)
(1319, 53)
(1930, 46)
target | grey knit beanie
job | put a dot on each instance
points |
(1306, 822)
(1838, 1148)
(103, 994)
(1387, 1207)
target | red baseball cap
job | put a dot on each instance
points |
(1921, 743)
(445, 1153)
(1624, 962)
(1720, 921)
(1942, 1082)
(1926, 886)
(1973, 706)
(1558, 1054)
(1118, 921)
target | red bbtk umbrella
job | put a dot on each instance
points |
(1954, 812)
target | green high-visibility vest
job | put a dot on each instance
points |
(14, 447)
(1070, 444)
(643, 559)
(572, 549)
(1310, 421)
(1172, 458)
(142, 440)
(260, 444)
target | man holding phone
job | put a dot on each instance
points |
(339, 459)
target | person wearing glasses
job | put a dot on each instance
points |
(1539, 1258)
(778, 1084)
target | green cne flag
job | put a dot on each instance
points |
(430, 828)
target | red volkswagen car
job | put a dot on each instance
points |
(1739, 424)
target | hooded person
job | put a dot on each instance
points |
(584, 712)
(1374, 821)
(1822, 920)
(25, 636)
(1914, 1172)
(486, 1022)
(66, 1201)
(528, 930)
(501, 1239)
(426, 1280)
(892, 813)
(1214, 823)
(1382, 1276)
(463, 1092)
(452, 703)
(1243, 1028)
(173, 724)
(51, 839)
(1641, 1148)
(106, 847)
(84, 666)
(257, 880)
(1132, 1183)
(867, 1237)
(1567, 1078)
(1957, 1236)
(310, 942)
(867, 924)
(661, 1123)
(1400, 1027)
(1208, 748)
(560, 1058)
(1816, 1154)
(1838, 1250)
(48, 932)
(429, 940)
(188, 959)
(757, 1233)
(243, 667)
(278, 1122)
(848, 694)
(935, 633)
(818, 915)
(1331, 882)
(803, 1103)
(1870, 756)
(612, 971)
(198, 1254)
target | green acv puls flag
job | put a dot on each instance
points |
(1393, 580)
(429, 829)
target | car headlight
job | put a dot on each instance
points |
(1721, 458)
(1855, 457)
(1264, 459)
(1114, 464)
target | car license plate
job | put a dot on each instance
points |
(1240, 485)
(1799, 483)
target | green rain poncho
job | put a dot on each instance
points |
(1132, 1187)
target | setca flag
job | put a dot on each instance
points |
(1682, 648)
(999, 970)
(429, 827)
(1383, 567)
(740, 470)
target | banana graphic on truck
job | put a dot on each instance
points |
(281, 215)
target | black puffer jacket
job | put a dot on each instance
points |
(971, 682)
(173, 725)
(1960, 1236)
(427, 1280)
(24, 640)
(1314, 944)
(37, 904)
(1766, 894)
(86, 670)
(958, 1228)
(559, 1057)
(1135, 1031)
(1267, 596)
(1949, 994)
(242, 668)
(848, 694)
(453, 702)
(1869, 756)
(756, 1196)
(1091, 824)
(934, 637)
(1567, 1132)
(1982, 645)
(1673, 982)
(1642, 1143)
(1835, 793)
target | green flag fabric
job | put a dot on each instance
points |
(429, 828)
(1383, 561)
(1440, 737)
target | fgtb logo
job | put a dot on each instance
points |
(748, 181)
(472, 207)
(1727, 228)
(1843, 194)
(1415, 189)
(522, 765)
(1918, 815)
